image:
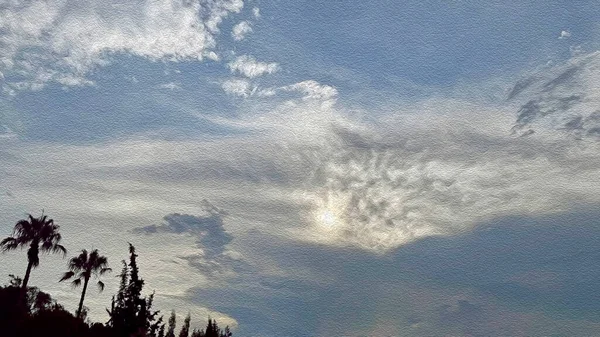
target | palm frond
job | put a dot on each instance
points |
(76, 263)
(76, 282)
(67, 276)
(86, 264)
(24, 230)
(9, 243)
(59, 249)
(104, 270)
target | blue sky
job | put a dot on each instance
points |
(296, 168)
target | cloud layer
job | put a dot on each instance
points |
(437, 167)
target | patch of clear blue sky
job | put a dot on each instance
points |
(425, 42)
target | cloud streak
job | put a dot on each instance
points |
(248, 66)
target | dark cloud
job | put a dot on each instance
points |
(575, 123)
(211, 237)
(548, 264)
(511, 276)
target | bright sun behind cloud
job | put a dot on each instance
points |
(328, 219)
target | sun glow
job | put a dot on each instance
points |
(328, 219)
(329, 213)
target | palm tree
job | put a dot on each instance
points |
(82, 267)
(41, 234)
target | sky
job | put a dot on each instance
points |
(314, 168)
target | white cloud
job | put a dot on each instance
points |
(240, 30)
(309, 90)
(256, 12)
(243, 88)
(436, 167)
(564, 34)
(312, 90)
(6, 132)
(576, 50)
(249, 67)
(62, 41)
(237, 87)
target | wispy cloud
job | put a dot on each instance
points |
(562, 98)
(307, 90)
(244, 88)
(312, 90)
(250, 67)
(375, 185)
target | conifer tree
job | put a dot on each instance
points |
(130, 313)
(185, 329)
(172, 324)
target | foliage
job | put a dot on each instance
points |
(131, 314)
(172, 324)
(26, 311)
(12, 313)
(185, 329)
(41, 234)
(82, 268)
(212, 330)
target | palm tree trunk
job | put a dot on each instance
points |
(33, 260)
(85, 284)
(22, 304)
(27, 273)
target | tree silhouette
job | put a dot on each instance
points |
(34, 313)
(130, 313)
(172, 324)
(212, 330)
(16, 309)
(82, 267)
(185, 329)
(41, 234)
